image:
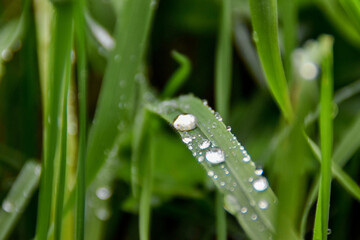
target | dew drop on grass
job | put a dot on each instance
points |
(309, 71)
(210, 173)
(328, 231)
(218, 117)
(243, 210)
(259, 171)
(103, 214)
(246, 159)
(7, 206)
(228, 128)
(263, 204)
(254, 217)
(205, 144)
(222, 184)
(187, 140)
(103, 193)
(185, 122)
(255, 37)
(260, 184)
(215, 156)
(6, 55)
(200, 159)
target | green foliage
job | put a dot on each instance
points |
(106, 74)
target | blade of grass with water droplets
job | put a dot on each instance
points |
(18, 197)
(326, 136)
(247, 195)
(264, 21)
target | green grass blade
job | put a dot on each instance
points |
(223, 69)
(264, 21)
(60, 192)
(235, 177)
(82, 76)
(145, 197)
(179, 77)
(288, 14)
(326, 136)
(352, 8)
(60, 54)
(117, 96)
(18, 197)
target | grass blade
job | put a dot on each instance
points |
(326, 135)
(255, 210)
(60, 193)
(60, 55)
(264, 21)
(19, 195)
(117, 96)
(82, 75)
(179, 77)
(223, 68)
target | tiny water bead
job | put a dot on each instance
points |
(243, 210)
(185, 122)
(260, 184)
(187, 140)
(210, 173)
(259, 171)
(246, 158)
(103, 193)
(7, 206)
(205, 144)
(254, 217)
(103, 214)
(263, 204)
(215, 156)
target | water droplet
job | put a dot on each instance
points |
(309, 71)
(103, 193)
(243, 210)
(205, 144)
(228, 128)
(7, 206)
(200, 159)
(215, 177)
(255, 36)
(37, 170)
(6, 55)
(259, 171)
(251, 179)
(218, 117)
(185, 122)
(215, 156)
(328, 231)
(226, 172)
(263, 204)
(103, 214)
(187, 140)
(246, 159)
(205, 102)
(254, 217)
(222, 184)
(210, 173)
(260, 184)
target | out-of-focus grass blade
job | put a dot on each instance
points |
(340, 20)
(223, 69)
(19, 195)
(264, 20)
(59, 57)
(326, 136)
(179, 77)
(352, 8)
(82, 75)
(247, 195)
(288, 14)
(115, 108)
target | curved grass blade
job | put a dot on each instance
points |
(264, 21)
(179, 77)
(116, 102)
(18, 197)
(326, 136)
(236, 176)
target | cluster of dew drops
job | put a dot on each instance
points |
(214, 155)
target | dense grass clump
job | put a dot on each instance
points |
(193, 119)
